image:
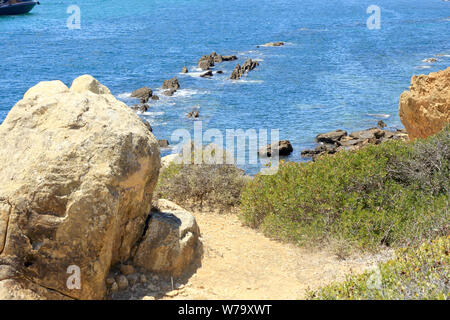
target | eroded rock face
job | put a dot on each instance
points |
(171, 242)
(76, 182)
(425, 108)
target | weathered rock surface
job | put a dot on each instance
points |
(184, 70)
(239, 70)
(144, 94)
(284, 148)
(171, 242)
(425, 109)
(206, 62)
(76, 182)
(331, 137)
(171, 84)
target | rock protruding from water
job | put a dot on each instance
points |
(171, 86)
(284, 148)
(78, 171)
(425, 109)
(239, 70)
(144, 94)
(171, 242)
(206, 62)
(274, 44)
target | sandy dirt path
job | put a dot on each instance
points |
(241, 263)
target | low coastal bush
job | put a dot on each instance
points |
(421, 273)
(392, 194)
(217, 187)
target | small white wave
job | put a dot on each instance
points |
(189, 92)
(423, 67)
(443, 55)
(247, 81)
(153, 113)
(379, 115)
(125, 95)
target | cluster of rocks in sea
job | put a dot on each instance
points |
(339, 140)
(205, 63)
(335, 141)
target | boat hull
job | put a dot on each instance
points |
(18, 8)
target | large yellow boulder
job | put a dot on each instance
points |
(425, 108)
(78, 169)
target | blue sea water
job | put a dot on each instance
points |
(333, 72)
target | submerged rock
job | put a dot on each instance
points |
(78, 171)
(425, 109)
(274, 44)
(169, 93)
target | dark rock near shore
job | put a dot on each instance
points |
(171, 84)
(144, 94)
(219, 72)
(381, 124)
(207, 74)
(239, 70)
(154, 97)
(372, 133)
(163, 143)
(143, 107)
(184, 70)
(284, 149)
(338, 140)
(331, 137)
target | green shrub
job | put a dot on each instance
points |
(356, 196)
(217, 187)
(421, 273)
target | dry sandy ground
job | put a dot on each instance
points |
(240, 263)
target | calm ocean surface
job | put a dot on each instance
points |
(333, 72)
